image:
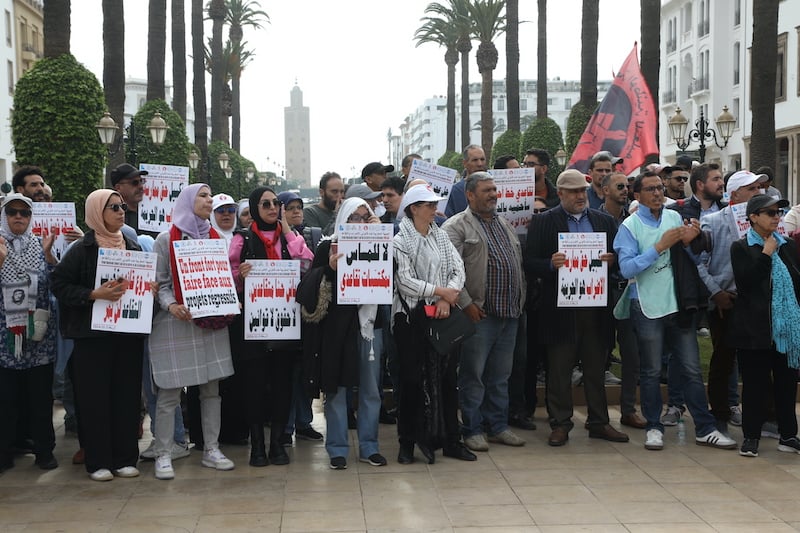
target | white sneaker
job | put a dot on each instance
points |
(477, 443)
(150, 453)
(214, 458)
(103, 474)
(127, 471)
(671, 416)
(180, 450)
(507, 437)
(164, 467)
(611, 379)
(715, 439)
(654, 440)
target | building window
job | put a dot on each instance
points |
(798, 60)
(550, 101)
(523, 103)
(672, 35)
(735, 111)
(567, 104)
(780, 75)
(737, 12)
(736, 60)
(8, 28)
(703, 25)
(501, 104)
(10, 77)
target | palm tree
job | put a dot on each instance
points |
(439, 31)
(199, 82)
(179, 59)
(114, 65)
(589, 36)
(240, 13)
(219, 121)
(651, 56)
(541, 60)
(764, 69)
(488, 24)
(512, 64)
(457, 15)
(156, 49)
(56, 27)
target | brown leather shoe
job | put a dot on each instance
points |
(607, 433)
(633, 420)
(558, 437)
(78, 458)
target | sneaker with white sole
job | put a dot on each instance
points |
(770, 430)
(127, 471)
(507, 437)
(736, 415)
(477, 443)
(671, 416)
(103, 474)
(654, 440)
(150, 453)
(577, 377)
(791, 445)
(163, 469)
(214, 458)
(715, 439)
(611, 379)
(749, 448)
(180, 450)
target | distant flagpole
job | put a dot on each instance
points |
(625, 123)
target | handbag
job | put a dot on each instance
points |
(214, 322)
(444, 334)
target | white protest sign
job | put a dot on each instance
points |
(54, 218)
(205, 276)
(742, 223)
(270, 309)
(133, 313)
(364, 273)
(515, 192)
(440, 178)
(162, 187)
(583, 280)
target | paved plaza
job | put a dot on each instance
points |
(587, 485)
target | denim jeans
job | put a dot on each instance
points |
(674, 380)
(300, 413)
(654, 336)
(369, 404)
(486, 361)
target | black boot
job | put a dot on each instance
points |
(406, 454)
(277, 453)
(258, 454)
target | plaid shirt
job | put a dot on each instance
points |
(502, 300)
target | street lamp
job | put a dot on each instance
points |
(702, 133)
(561, 157)
(194, 162)
(107, 130)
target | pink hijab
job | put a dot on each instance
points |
(95, 206)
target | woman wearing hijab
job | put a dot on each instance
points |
(342, 347)
(106, 366)
(27, 329)
(182, 353)
(244, 213)
(765, 328)
(265, 365)
(224, 218)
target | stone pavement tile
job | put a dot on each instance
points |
(545, 514)
(155, 524)
(764, 489)
(119, 489)
(323, 501)
(528, 459)
(499, 529)
(618, 475)
(478, 495)
(244, 486)
(262, 522)
(338, 480)
(704, 492)
(22, 512)
(311, 520)
(631, 492)
(649, 459)
(255, 502)
(95, 510)
(162, 506)
(454, 480)
(555, 494)
(403, 482)
(683, 527)
(732, 512)
(588, 528)
(170, 488)
(754, 470)
(548, 476)
(488, 515)
(646, 512)
(666, 473)
(422, 518)
(748, 527)
(394, 499)
(786, 510)
(793, 469)
(79, 526)
(586, 461)
(27, 493)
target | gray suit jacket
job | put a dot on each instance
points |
(715, 265)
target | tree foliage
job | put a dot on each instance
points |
(238, 186)
(174, 151)
(507, 144)
(56, 107)
(444, 160)
(576, 124)
(544, 134)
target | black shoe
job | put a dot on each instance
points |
(521, 422)
(427, 452)
(406, 454)
(338, 463)
(285, 439)
(308, 433)
(277, 454)
(459, 451)
(386, 417)
(46, 462)
(258, 453)
(375, 459)
(351, 419)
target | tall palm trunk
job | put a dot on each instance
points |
(512, 64)
(762, 96)
(487, 61)
(199, 82)
(451, 58)
(114, 66)
(651, 56)
(216, 12)
(589, 36)
(541, 62)
(179, 59)
(156, 49)
(464, 47)
(56, 27)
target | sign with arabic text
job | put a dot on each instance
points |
(583, 280)
(54, 218)
(133, 313)
(270, 309)
(440, 178)
(162, 186)
(364, 273)
(205, 276)
(515, 192)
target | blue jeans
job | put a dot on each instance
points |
(300, 413)
(655, 335)
(486, 361)
(369, 404)
(179, 433)
(674, 380)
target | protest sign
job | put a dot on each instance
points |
(162, 186)
(270, 309)
(133, 313)
(583, 280)
(364, 273)
(54, 218)
(205, 276)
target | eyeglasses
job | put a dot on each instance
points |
(135, 182)
(294, 207)
(118, 207)
(532, 164)
(428, 204)
(771, 212)
(621, 186)
(355, 217)
(229, 210)
(12, 212)
(539, 210)
(679, 178)
(653, 188)
(266, 204)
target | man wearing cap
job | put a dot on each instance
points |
(571, 333)
(322, 214)
(374, 174)
(129, 182)
(717, 273)
(474, 160)
(539, 160)
(493, 298)
(660, 306)
(364, 192)
(601, 165)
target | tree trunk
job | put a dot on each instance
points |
(199, 85)
(179, 59)
(651, 57)
(156, 49)
(762, 92)
(589, 36)
(114, 67)
(512, 64)
(451, 58)
(236, 111)
(56, 27)
(464, 46)
(541, 56)
(216, 12)
(487, 61)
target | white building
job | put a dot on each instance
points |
(136, 97)
(425, 130)
(705, 65)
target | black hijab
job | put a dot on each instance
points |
(255, 204)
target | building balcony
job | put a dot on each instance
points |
(703, 28)
(697, 85)
(668, 97)
(672, 45)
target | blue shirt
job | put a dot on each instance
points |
(631, 262)
(457, 199)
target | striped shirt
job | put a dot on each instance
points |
(502, 300)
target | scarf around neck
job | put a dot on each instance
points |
(95, 207)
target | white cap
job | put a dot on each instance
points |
(743, 178)
(10, 197)
(221, 199)
(417, 193)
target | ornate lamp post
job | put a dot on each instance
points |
(107, 130)
(701, 132)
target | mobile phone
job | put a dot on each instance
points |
(430, 311)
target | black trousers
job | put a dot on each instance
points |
(267, 386)
(33, 386)
(108, 387)
(723, 359)
(762, 369)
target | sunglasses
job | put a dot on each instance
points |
(539, 210)
(118, 207)
(229, 210)
(12, 212)
(266, 204)
(771, 212)
(679, 178)
(136, 182)
(621, 186)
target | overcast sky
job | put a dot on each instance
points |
(357, 65)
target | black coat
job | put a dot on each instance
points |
(557, 324)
